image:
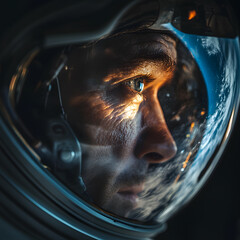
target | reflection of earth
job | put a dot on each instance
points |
(167, 192)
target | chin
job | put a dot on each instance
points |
(120, 205)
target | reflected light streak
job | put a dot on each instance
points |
(229, 127)
(192, 126)
(187, 159)
(183, 166)
(12, 83)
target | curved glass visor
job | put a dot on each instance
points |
(132, 122)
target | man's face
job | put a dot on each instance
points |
(110, 94)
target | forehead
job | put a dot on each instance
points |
(141, 45)
(128, 47)
(122, 54)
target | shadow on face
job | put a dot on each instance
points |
(110, 93)
(137, 105)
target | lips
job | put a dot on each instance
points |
(130, 193)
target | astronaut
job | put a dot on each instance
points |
(115, 129)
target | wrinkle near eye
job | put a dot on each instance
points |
(122, 111)
(152, 71)
(109, 111)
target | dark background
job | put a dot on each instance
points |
(215, 212)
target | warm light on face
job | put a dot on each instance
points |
(130, 110)
(153, 73)
(120, 112)
(124, 111)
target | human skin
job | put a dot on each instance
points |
(110, 94)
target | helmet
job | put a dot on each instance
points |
(114, 114)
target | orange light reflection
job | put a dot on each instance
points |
(183, 166)
(192, 14)
(202, 113)
(192, 126)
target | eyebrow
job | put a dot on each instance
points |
(115, 80)
(154, 56)
(159, 50)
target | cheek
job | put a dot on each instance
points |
(128, 109)
(107, 132)
(98, 165)
(100, 169)
(105, 122)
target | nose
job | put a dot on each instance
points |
(155, 142)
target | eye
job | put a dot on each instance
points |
(136, 84)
